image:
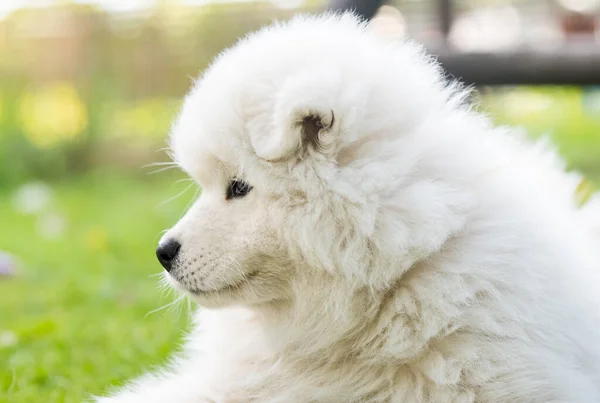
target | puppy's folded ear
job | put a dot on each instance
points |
(304, 118)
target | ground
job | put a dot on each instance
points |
(77, 317)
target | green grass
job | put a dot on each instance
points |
(76, 318)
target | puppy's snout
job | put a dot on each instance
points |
(167, 252)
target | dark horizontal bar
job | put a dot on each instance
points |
(578, 65)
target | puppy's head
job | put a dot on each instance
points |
(293, 135)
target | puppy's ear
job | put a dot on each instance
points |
(304, 118)
(306, 128)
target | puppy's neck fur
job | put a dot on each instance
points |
(310, 328)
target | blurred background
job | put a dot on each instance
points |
(88, 90)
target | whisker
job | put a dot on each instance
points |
(163, 169)
(170, 304)
(165, 288)
(159, 163)
(177, 195)
(190, 307)
(184, 307)
(189, 204)
(158, 236)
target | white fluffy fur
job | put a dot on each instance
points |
(415, 253)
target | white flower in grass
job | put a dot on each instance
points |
(51, 225)
(8, 338)
(32, 198)
(8, 264)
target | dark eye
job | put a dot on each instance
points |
(236, 189)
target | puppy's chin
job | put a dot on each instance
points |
(174, 283)
(255, 288)
(236, 292)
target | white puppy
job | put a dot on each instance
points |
(364, 236)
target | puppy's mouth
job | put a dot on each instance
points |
(232, 287)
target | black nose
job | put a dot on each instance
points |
(167, 252)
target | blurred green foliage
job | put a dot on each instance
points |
(81, 88)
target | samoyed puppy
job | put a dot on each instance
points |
(363, 235)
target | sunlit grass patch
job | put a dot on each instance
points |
(78, 315)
